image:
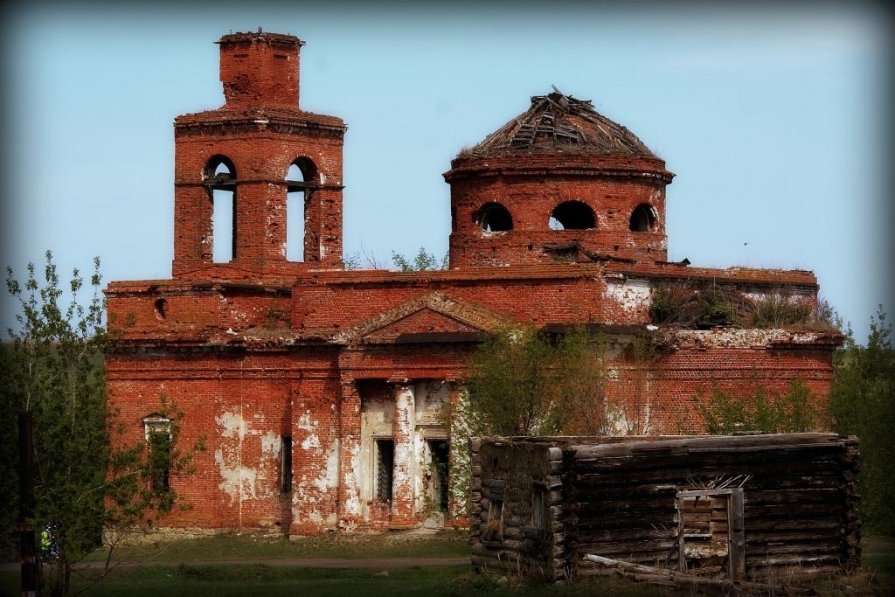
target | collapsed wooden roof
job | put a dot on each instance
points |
(560, 123)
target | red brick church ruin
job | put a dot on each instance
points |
(323, 393)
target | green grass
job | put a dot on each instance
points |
(247, 547)
(166, 576)
(259, 580)
(879, 555)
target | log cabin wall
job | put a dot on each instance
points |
(619, 499)
(516, 515)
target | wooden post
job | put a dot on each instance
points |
(28, 548)
(736, 528)
(681, 558)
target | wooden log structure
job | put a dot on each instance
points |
(664, 577)
(769, 508)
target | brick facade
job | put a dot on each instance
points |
(353, 371)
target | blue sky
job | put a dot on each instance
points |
(774, 120)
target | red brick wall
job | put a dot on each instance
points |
(531, 194)
(242, 404)
(260, 69)
(666, 395)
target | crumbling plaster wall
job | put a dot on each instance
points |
(409, 414)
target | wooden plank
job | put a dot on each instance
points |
(769, 441)
(685, 493)
(736, 518)
(689, 580)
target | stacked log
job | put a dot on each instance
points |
(800, 501)
(517, 509)
(619, 499)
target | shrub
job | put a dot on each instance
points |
(716, 309)
(777, 310)
(792, 411)
(862, 402)
(696, 307)
(666, 304)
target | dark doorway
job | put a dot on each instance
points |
(440, 451)
(385, 467)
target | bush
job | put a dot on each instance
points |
(696, 307)
(527, 383)
(666, 304)
(716, 309)
(862, 403)
(777, 310)
(792, 411)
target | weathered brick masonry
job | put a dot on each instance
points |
(322, 392)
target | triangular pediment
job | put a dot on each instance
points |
(220, 272)
(433, 317)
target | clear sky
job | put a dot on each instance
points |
(774, 120)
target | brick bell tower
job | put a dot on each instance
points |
(259, 174)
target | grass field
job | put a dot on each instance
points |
(241, 547)
(165, 574)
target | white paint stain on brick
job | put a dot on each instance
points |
(231, 425)
(741, 338)
(310, 497)
(353, 506)
(237, 481)
(311, 441)
(404, 423)
(632, 295)
(270, 445)
(329, 476)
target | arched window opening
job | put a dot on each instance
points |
(494, 217)
(157, 430)
(219, 173)
(220, 176)
(643, 218)
(161, 309)
(572, 215)
(299, 180)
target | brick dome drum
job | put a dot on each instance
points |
(563, 182)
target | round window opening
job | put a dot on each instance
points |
(494, 217)
(572, 215)
(643, 218)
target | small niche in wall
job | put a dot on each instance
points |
(161, 309)
(286, 464)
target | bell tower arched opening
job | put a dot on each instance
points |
(220, 176)
(299, 181)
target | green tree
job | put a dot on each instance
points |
(423, 261)
(791, 411)
(862, 403)
(87, 488)
(9, 458)
(522, 382)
